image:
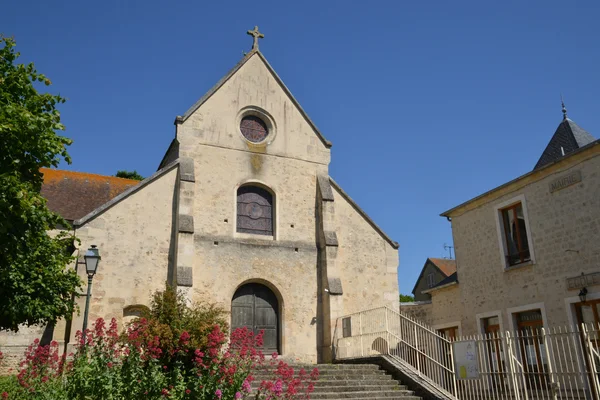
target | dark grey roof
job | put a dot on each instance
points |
(450, 279)
(568, 137)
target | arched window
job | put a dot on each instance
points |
(254, 210)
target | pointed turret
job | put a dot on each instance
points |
(568, 137)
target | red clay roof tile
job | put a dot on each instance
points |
(447, 266)
(73, 195)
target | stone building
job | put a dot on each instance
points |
(528, 251)
(242, 212)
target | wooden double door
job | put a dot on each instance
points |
(255, 307)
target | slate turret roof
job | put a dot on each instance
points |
(568, 137)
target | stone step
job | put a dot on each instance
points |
(339, 386)
(320, 367)
(391, 394)
(346, 381)
(357, 378)
(400, 397)
(329, 372)
(352, 383)
(366, 388)
(351, 386)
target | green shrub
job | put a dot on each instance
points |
(169, 316)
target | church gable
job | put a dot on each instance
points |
(251, 109)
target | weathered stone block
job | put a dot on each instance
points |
(331, 238)
(185, 276)
(186, 170)
(325, 188)
(186, 223)
(335, 286)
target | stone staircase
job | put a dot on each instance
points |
(345, 381)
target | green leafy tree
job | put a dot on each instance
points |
(129, 175)
(406, 298)
(35, 285)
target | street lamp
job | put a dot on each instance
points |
(92, 258)
(583, 294)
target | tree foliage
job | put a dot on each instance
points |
(35, 286)
(406, 298)
(129, 175)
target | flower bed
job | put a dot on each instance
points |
(136, 365)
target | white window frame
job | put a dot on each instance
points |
(502, 245)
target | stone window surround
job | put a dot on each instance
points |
(264, 116)
(500, 231)
(513, 311)
(275, 208)
(481, 316)
(450, 325)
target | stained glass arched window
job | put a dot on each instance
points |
(254, 210)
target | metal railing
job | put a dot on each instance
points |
(531, 364)
(385, 331)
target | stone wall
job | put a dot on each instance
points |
(133, 237)
(419, 310)
(446, 307)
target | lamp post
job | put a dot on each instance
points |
(92, 258)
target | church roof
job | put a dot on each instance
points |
(568, 137)
(73, 195)
(239, 65)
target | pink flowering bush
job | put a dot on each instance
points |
(106, 365)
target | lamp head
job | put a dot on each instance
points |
(582, 294)
(92, 259)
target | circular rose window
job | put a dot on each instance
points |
(254, 129)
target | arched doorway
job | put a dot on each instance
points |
(256, 307)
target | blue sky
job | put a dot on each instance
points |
(428, 104)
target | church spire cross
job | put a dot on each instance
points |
(564, 109)
(257, 35)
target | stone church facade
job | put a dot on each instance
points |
(242, 212)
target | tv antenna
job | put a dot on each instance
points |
(449, 248)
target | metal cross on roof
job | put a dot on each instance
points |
(257, 35)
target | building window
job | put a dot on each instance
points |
(431, 280)
(347, 327)
(450, 333)
(494, 349)
(253, 128)
(516, 244)
(532, 345)
(254, 210)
